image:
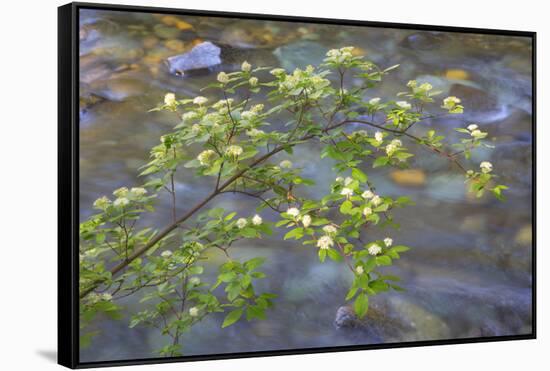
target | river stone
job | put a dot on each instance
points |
(409, 177)
(474, 99)
(204, 55)
(300, 54)
(424, 40)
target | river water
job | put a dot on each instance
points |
(469, 271)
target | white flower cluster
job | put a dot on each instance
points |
(241, 223)
(374, 249)
(475, 132)
(102, 203)
(340, 56)
(234, 151)
(393, 146)
(486, 167)
(293, 212)
(330, 229)
(257, 220)
(200, 100)
(170, 99)
(285, 164)
(452, 104)
(254, 132)
(374, 101)
(325, 242)
(194, 312)
(246, 67)
(206, 156)
(189, 116)
(223, 78)
(253, 81)
(306, 221)
(379, 136)
(348, 192)
(404, 105)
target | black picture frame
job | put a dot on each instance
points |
(68, 183)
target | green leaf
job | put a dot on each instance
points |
(322, 255)
(359, 175)
(380, 161)
(334, 255)
(361, 305)
(296, 233)
(232, 317)
(383, 260)
(346, 207)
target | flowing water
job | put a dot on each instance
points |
(469, 271)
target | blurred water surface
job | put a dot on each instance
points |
(469, 272)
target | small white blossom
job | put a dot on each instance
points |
(379, 136)
(200, 100)
(285, 164)
(425, 86)
(374, 249)
(234, 150)
(374, 101)
(257, 220)
(257, 108)
(253, 81)
(246, 66)
(404, 105)
(122, 201)
(277, 71)
(241, 223)
(166, 254)
(247, 115)
(205, 157)
(396, 142)
(194, 311)
(486, 167)
(325, 243)
(169, 99)
(138, 191)
(346, 192)
(472, 127)
(107, 297)
(348, 181)
(388, 241)
(367, 211)
(121, 192)
(367, 194)
(223, 78)
(294, 212)
(306, 221)
(254, 132)
(188, 116)
(411, 84)
(478, 134)
(101, 203)
(359, 269)
(329, 229)
(376, 200)
(390, 149)
(339, 179)
(451, 101)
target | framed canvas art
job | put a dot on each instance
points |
(239, 185)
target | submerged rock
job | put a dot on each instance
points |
(425, 40)
(409, 177)
(204, 55)
(300, 54)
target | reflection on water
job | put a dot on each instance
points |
(469, 271)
